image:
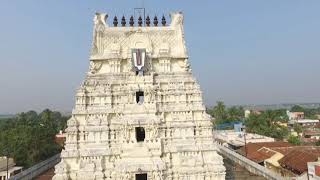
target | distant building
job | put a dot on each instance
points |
(12, 169)
(248, 112)
(311, 135)
(298, 118)
(295, 115)
(304, 122)
(239, 127)
(283, 124)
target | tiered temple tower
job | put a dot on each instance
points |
(139, 113)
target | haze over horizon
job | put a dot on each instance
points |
(242, 52)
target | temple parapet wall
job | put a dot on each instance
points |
(159, 41)
(164, 46)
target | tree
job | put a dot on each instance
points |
(294, 140)
(235, 113)
(297, 108)
(280, 115)
(29, 136)
(225, 117)
(266, 124)
(309, 113)
(256, 124)
(219, 112)
(297, 128)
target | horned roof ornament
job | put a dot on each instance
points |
(107, 38)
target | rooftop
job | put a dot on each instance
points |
(311, 132)
(3, 163)
(295, 158)
(303, 121)
(237, 138)
(257, 153)
(297, 113)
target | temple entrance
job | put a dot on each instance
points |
(141, 177)
(140, 134)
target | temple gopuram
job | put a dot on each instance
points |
(139, 113)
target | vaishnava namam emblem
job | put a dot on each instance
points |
(138, 56)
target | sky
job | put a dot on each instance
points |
(241, 52)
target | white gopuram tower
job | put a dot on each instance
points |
(139, 113)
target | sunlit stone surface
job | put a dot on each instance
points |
(131, 124)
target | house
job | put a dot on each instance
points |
(237, 139)
(304, 122)
(296, 160)
(282, 157)
(298, 118)
(295, 115)
(248, 112)
(8, 168)
(314, 170)
(311, 135)
(257, 152)
(239, 127)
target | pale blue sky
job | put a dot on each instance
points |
(248, 51)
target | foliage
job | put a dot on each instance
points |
(297, 108)
(294, 140)
(267, 124)
(235, 113)
(219, 111)
(318, 143)
(222, 114)
(309, 113)
(297, 128)
(280, 115)
(29, 137)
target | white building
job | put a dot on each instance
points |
(295, 115)
(8, 168)
(304, 122)
(298, 118)
(235, 140)
(139, 113)
(247, 113)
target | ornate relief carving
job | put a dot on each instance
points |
(94, 67)
(157, 175)
(126, 129)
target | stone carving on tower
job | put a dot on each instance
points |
(139, 113)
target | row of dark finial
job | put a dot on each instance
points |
(140, 22)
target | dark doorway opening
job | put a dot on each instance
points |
(139, 72)
(141, 177)
(140, 134)
(140, 97)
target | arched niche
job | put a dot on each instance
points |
(140, 41)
